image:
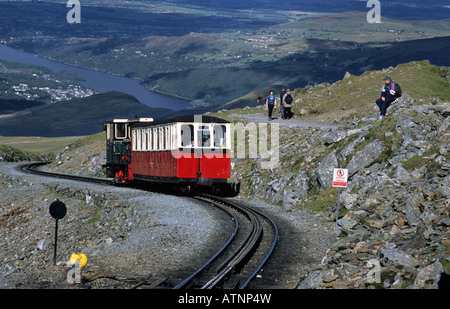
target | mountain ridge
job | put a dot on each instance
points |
(76, 117)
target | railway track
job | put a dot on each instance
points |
(32, 169)
(243, 256)
(238, 262)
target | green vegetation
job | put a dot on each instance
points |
(378, 132)
(321, 201)
(38, 145)
(11, 154)
(356, 95)
(427, 160)
(351, 26)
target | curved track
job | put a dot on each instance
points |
(243, 256)
(239, 260)
(32, 168)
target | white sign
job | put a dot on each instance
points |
(340, 176)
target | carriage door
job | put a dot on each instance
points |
(203, 145)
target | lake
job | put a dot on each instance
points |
(97, 80)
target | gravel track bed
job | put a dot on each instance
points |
(121, 230)
(132, 233)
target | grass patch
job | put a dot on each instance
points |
(11, 154)
(321, 201)
(427, 159)
(38, 145)
(87, 140)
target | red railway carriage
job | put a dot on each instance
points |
(188, 150)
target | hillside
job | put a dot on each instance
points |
(76, 117)
(395, 210)
(355, 95)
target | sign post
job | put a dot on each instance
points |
(58, 211)
(340, 177)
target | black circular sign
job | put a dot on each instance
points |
(58, 210)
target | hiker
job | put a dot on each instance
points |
(390, 92)
(258, 100)
(283, 91)
(288, 99)
(271, 103)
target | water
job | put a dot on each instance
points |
(97, 80)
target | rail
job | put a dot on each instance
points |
(262, 230)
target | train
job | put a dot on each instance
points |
(186, 153)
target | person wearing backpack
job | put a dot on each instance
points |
(271, 103)
(283, 91)
(288, 99)
(390, 92)
(258, 100)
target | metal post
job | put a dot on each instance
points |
(336, 229)
(58, 211)
(56, 242)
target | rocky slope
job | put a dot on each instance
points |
(395, 211)
(128, 235)
(394, 215)
(393, 228)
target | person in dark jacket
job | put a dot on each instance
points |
(388, 95)
(283, 91)
(287, 104)
(258, 100)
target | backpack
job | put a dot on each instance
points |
(289, 99)
(398, 93)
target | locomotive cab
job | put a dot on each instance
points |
(118, 148)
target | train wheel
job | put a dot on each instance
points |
(119, 176)
(184, 190)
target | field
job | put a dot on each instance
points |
(39, 145)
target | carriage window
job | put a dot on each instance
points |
(187, 135)
(204, 136)
(138, 140)
(144, 140)
(220, 136)
(154, 139)
(149, 139)
(164, 138)
(134, 146)
(158, 139)
(121, 130)
(169, 137)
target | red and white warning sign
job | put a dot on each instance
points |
(340, 176)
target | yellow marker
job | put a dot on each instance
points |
(80, 257)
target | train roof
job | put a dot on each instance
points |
(186, 118)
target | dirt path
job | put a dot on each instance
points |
(294, 122)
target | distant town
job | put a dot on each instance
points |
(59, 94)
(32, 83)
